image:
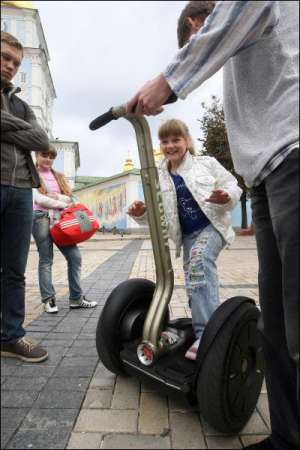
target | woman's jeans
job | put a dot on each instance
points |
(200, 252)
(42, 237)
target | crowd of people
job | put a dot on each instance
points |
(256, 43)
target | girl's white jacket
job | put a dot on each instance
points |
(201, 175)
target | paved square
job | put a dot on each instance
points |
(72, 400)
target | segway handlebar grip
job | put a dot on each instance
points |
(102, 120)
(114, 113)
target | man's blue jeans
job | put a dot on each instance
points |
(41, 234)
(16, 223)
(200, 252)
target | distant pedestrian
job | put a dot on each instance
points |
(53, 196)
(20, 135)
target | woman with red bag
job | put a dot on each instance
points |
(50, 198)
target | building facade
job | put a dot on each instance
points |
(34, 78)
(109, 198)
(22, 20)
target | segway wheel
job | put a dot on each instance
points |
(122, 320)
(231, 376)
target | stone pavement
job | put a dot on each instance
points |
(72, 401)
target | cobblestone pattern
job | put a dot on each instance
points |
(40, 403)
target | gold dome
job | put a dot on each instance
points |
(18, 4)
(128, 165)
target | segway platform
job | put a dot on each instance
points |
(172, 372)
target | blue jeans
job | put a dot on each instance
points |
(42, 237)
(16, 223)
(200, 252)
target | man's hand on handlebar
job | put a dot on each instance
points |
(150, 98)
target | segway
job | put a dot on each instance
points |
(226, 377)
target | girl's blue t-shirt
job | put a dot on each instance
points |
(191, 216)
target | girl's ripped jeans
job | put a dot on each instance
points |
(200, 252)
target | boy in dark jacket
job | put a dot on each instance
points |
(20, 134)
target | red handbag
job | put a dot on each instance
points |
(76, 224)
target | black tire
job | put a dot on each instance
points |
(130, 297)
(231, 376)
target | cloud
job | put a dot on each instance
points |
(101, 53)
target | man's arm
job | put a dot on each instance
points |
(231, 26)
(12, 123)
(32, 139)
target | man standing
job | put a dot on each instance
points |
(258, 45)
(20, 134)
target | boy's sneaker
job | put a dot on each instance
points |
(192, 351)
(25, 350)
(82, 303)
(50, 306)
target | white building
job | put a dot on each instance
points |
(22, 20)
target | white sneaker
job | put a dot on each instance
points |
(82, 303)
(192, 351)
(50, 306)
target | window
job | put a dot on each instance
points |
(23, 77)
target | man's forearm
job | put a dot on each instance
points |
(12, 123)
(30, 140)
(231, 26)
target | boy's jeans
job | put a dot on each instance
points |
(16, 223)
(41, 234)
(200, 251)
(275, 204)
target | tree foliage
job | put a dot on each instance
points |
(215, 143)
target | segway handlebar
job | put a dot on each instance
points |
(116, 113)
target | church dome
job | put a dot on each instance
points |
(18, 4)
(128, 165)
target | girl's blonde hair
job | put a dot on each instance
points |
(175, 127)
(60, 178)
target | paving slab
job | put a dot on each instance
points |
(98, 399)
(85, 440)
(107, 420)
(126, 393)
(186, 431)
(216, 442)
(153, 418)
(139, 441)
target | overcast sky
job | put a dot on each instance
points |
(101, 52)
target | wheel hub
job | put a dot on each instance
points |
(145, 353)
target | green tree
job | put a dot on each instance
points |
(215, 143)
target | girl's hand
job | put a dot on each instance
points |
(219, 197)
(137, 209)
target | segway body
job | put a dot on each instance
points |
(226, 377)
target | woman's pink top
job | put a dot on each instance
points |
(50, 183)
